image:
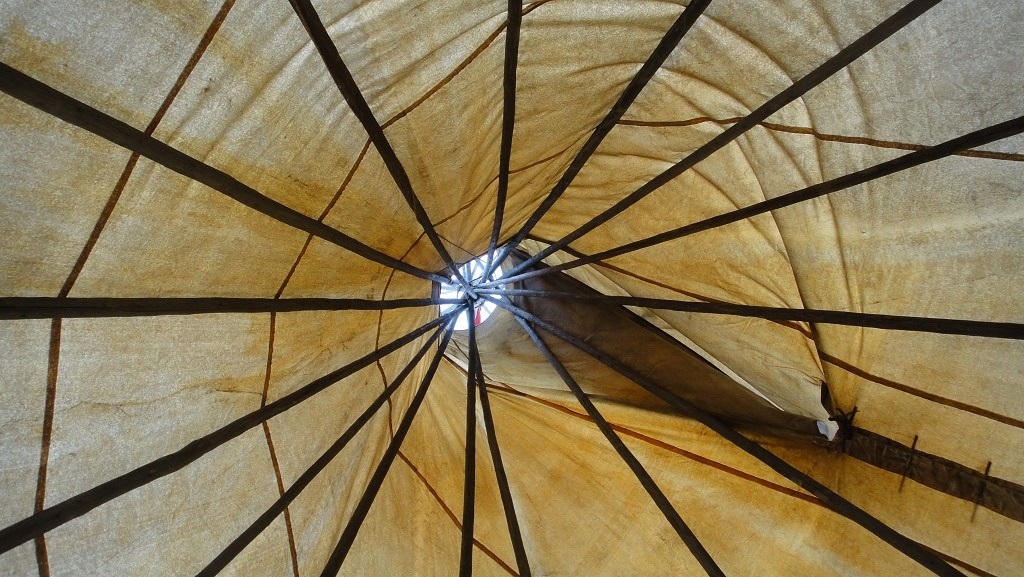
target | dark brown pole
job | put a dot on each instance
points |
(76, 308)
(514, 533)
(872, 38)
(514, 22)
(661, 52)
(890, 322)
(39, 95)
(259, 525)
(829, 498)
(950, 147)
(357, 103)
(655, 492)
(348, 536)
(469, 483)
(74, 507)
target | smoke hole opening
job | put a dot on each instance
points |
(473, 271)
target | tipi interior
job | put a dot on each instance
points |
(562, 287)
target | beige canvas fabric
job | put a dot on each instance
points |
(239, 86)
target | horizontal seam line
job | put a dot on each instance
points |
(892, 144)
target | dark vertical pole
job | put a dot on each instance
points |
(469, 485)
(515, 535)
(655, 492)
(355, 522)
(508, 123)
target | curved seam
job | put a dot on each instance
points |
(270, 445)
(459, 68)
(829, 137)
(749, 42)
(714, 464)
(42, 556)
(788, 324)
(52, 367)
(951, 403)
(815, 342)
(824, 356)
(426, 96)
(323, 215)
(466, 206)
(122, 181)
(664, 445)
(380, 322)
(451, 515)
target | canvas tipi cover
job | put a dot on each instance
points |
(753, 274)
